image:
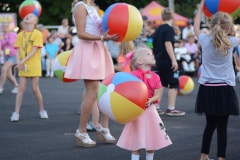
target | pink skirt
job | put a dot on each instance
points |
(146, 132)
(89, 60)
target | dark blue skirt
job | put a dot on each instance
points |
(217, 100)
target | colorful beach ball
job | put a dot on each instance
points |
(186, 84)
(59, 66)
(122, 19)
(30, 6)
(122, 97)
(229, 6)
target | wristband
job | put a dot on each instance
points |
(102, 37)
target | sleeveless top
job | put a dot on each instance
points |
(93, 20)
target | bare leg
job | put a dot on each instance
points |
(37, 93)
(104, 120)
(11, 77)
(20, 93)
(95, 111)
(172, 95)
(7, 72)
(89, 99)
(95, 114)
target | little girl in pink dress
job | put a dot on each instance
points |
(147, 131)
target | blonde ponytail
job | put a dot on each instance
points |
(221, 24)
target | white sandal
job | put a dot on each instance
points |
(104, 135)
(83, 140)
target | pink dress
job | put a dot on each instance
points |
(90, 59)
(148, 130)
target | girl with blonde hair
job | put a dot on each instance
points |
(216, 97)
(147, 131)
(123, 59)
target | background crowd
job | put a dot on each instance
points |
(186, 47)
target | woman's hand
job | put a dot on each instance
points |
(113, 37)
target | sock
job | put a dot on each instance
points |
(135, 157)
(149, 156)
(171, 108)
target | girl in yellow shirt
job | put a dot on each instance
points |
(28, 44)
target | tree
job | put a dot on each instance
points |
(54, 11)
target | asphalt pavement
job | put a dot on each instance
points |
(33, 138)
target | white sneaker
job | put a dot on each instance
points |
(14, 117)
(1, 90)
(43, 114)
(52, 74)
(15, 90)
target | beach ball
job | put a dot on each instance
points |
(186, 84)
(122, 19)
(30, 6)
(59, 66)
(122, 97)
(231, 7)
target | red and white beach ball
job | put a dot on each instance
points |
(186, 84)
(229, 6)
(122, 97)
(122, 19)
(30, 6)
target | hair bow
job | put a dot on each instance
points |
(128, 58)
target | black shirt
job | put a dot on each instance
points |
(164, 33)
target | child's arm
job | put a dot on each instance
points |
(19, 66)
(197, 19)
(1, 51)
(155, 97)
(29, 55)
(237, 62)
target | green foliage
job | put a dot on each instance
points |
(53, 11)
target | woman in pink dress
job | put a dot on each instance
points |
(90, 61)
(147, 131)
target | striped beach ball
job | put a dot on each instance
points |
(186, 84)
(122, 19)
(30, 6)
(229, 6)
(59, 66)
(122, 97)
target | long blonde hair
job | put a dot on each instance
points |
(126, 47)
(74, 2)
(221, 25)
